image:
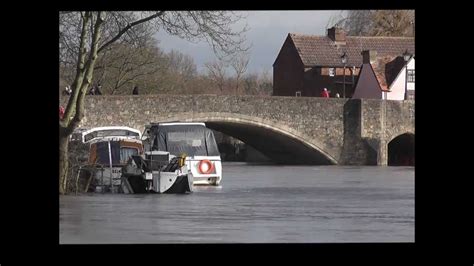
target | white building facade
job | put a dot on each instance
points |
(405, 77)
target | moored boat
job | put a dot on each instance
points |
(194, 140)
(109, 150)
(157, 172)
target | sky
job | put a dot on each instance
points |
(266, 34)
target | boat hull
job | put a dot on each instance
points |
(182, 184)
(161, 183)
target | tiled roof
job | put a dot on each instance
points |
(322, 51)
(386, 69)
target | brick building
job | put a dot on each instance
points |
(306, 64)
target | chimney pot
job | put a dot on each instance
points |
(369, 56)
(337, 35)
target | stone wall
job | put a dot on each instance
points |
(343, 130)
(382, 121)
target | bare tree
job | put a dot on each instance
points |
(239, 64)
(258, 83)
(125, 65)
(376, 22)
(202, 84)
(336, 20)
(177, 74)
(84, 35)
(216, 71)
(181, 69)
(265, 83)
(250, 82)
(359, 22)
(214, 27)
(393, 23)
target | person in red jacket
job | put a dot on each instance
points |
(61, 112)
(325, 93)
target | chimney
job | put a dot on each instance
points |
(369, 56)
(337, 35)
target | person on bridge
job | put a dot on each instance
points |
(67, 91)
(97, 89)
(92, 91)
(325, 93)
(61, 112)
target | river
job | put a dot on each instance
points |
(255, 204)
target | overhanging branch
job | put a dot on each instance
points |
(129, 26)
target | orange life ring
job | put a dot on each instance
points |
(210, 167)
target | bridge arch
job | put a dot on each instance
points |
(277, 141)
(401, 149)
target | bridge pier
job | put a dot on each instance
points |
(382, 153)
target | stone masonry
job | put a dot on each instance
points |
(340, 131)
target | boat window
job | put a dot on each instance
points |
(176, 139)
(103, 152)
(194, 139)
(126, 153)
(189, 142)
(120, 155)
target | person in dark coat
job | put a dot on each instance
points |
(92, 91)
(135, 90)
(97, 89)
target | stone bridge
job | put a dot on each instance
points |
(293, 130)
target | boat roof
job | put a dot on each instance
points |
(123, 139)
(110, 137)
(180, 123)
(110, 128)
(81, 129)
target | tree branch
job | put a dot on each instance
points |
(129, 26)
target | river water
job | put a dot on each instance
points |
(255, 204)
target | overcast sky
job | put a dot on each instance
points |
(267, 32)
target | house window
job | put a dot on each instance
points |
(298, 94)
(411, 75)
(332, 72)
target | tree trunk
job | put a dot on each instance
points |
(63, 164)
